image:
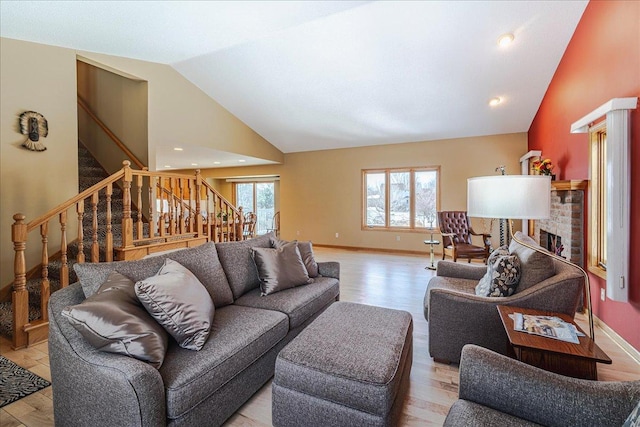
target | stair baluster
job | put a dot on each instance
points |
(127, 222)
(139, 223)
(64, 267)
(95, 248)
(80, 211)
(19, 296)
(44, 284)
(109, 236)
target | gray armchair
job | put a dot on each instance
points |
(498, 391)
(457, 316)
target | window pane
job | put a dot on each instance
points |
(244, 197)
(425, 188)
(265, 206)
(399, 199)
(375, 199)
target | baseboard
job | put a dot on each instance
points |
(361, 249)
(628, 348)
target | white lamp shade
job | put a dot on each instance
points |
(509, 196)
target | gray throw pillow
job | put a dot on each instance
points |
(306, 252)
(483, 287)
(179, 302)
(113, 320)
(536, 266)
(280, 269)
(201, 260)
(506, 275)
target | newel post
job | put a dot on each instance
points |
(20, 296)
(127, 222)
(240, 224)
(199, 222)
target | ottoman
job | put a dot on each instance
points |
(350, 367)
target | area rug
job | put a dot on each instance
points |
(17, 382)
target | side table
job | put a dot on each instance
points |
(431, 243)
(561, 357)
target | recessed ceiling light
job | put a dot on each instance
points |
(495, 101)
(505, 40)
(177, 149)
(216, 163)
(167, 166)
(194, 164)
(241, 161)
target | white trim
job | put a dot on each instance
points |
(582, 125)
(621, 342)
(530, 154)
(255, 179)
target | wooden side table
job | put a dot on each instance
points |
(561, 357)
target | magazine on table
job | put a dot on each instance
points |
(546, 326)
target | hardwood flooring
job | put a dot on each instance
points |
(394, 281)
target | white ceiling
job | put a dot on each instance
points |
(312, 75)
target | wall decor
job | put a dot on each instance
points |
(34, 125)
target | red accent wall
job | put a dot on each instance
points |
(601, 62)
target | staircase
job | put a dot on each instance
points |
(181, 211)
(89, 173)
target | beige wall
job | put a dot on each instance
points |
(180, 113)
(121, 104)
(320, 192)
(43, 79)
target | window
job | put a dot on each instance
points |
(258, 197)
(400, 198)
(598, 201)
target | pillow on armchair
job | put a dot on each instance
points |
(503, 274)
(536, 266)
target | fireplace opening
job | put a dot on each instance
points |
(551, 242)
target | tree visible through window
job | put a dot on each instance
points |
(258, 197)
(400, 198)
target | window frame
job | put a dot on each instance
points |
(412, 199)
(596, 255)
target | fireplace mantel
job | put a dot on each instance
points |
(573, 184)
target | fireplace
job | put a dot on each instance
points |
(565, 227)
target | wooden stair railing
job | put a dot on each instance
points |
(185, 223)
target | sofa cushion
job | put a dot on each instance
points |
(467, 413)
(280, 268)
(536, 266)
(201, 261)
(113, 320)
(239, 336)
(298, 303)
(306, 252)
(238, 265)
(178, 302)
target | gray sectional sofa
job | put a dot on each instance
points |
(205, 387)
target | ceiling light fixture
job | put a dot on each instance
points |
(178, 149)
(495, 101)
(241, 161)
(216, 163)
(194, 164)
(167, 166)
(505, 40)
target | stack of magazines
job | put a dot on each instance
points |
(547, 326)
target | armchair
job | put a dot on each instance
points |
(456, 237)
(497, 390)
(457, 316)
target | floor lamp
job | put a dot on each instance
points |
(518, 197)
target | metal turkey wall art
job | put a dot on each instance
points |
(34, 125)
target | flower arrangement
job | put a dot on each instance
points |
(544, 167)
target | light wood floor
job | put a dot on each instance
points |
(392, 281)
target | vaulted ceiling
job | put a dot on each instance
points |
(312, 75)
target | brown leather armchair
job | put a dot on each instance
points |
(456, 237)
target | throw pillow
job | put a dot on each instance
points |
(536, 266)
(114, 320)
(483, 287)
(506, 275)
(633, 420)
(179, 302)
(306, 252)
(280, 269)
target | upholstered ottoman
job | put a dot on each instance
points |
(350, 367)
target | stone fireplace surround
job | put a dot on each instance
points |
(566, 220)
